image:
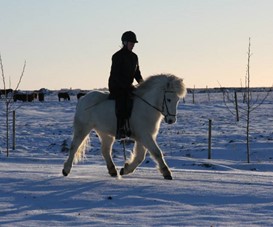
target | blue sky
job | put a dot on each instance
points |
(69, 43)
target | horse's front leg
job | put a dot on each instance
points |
(106, 150)
(155, 151)
(136, 159)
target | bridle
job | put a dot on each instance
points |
(164, 105)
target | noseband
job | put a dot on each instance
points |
(164, 105)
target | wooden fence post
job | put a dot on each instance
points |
(193, 95)
(236, 106)
(13, 130)
(209, 140)
(7, 128)
(208, 93)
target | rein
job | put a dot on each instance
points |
(149, 103)
(164, 104)
(97, 103)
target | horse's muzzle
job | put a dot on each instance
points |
(170, 120)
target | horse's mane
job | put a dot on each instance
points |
(163, 82)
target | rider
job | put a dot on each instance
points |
(124, 70)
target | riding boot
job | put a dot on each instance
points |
(121, 133)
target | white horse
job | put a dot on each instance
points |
(154, 99)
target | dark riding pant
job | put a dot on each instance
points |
(123, 108)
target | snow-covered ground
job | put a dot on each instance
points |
(222, 191)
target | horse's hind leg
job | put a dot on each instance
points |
(106, 150)
(78, 139)
(136, 159)
(155, 151)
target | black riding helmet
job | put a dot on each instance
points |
(129, 36)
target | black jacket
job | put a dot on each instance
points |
(124, 70)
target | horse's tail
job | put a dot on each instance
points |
(80, 153)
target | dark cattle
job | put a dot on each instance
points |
(41, 96)
(80, 94)
(5, 92)
(63, 95)
(24, 97)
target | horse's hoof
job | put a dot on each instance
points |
(121, 171)
(169, 177)
(65, 173)
(113, 174)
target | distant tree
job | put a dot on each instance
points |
(8, 100)
(248, 105)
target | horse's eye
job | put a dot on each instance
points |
(169, 100)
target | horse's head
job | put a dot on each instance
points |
(169, 106)
(167, 90)
(174, 90)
